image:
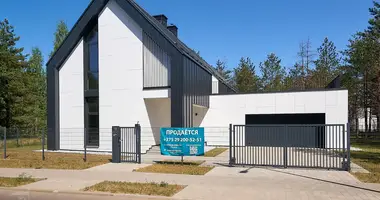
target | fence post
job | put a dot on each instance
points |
(286, 146)
(348, 147)
(230, 135)
(116, 154)
(5, 142)
(138, 142)
(85, 145)
(43, 144)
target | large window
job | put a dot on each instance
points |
(91, 92)
(93, 60)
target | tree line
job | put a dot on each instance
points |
(314, 69)
(23, 77)
(358, 65)
(23, 80)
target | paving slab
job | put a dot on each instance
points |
(117, 167)
(11, 194)
(282, 174)
(220, 183)
(59, 185)
(357, 168)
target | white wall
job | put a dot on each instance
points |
(121, 101)
(226, 109)
(159, 116)
(370, 119)
(215, 85)
(71, 105)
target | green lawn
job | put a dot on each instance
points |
(214, 152)
(368, 158)
(176, 167)
(161, 189)
(23, 179)
(25, 157)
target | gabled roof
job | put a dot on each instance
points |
(94, 9)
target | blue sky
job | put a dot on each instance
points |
(219, 29)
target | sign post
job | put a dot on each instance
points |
(182, 141)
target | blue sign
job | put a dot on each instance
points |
(182, 141)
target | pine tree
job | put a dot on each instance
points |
(12, 66)
(373, 29)
(296, 77)
(273, 74)
(327, 64)
(245, 76)
(362, 75)
(59, 36)
(36, 83)
(222, 70)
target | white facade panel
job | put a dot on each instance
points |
(231, 109)
(157, 93)
(121, 95)
(215, 85)
(71, 105)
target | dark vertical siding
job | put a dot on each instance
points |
(223, 89)
(52, 108)
(336, 83)
(156, 64)
(176, 90)
(196, 89)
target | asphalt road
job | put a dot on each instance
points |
(29, 195)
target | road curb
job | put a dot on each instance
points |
(92, 193)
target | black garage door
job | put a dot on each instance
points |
(272, 134)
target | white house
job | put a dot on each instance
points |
(120, 66)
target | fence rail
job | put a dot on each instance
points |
(308, 146)
(31, 144)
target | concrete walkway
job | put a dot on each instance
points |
(221, 159)
(220, 183)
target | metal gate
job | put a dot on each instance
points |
(126, 144)
(308, 146)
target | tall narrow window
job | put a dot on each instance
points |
(92, 121)
(91, 88)
(93, 60)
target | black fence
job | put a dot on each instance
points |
(12, 139)
(126, 144)
(27, 146)
(308, 146)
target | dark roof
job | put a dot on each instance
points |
(95, 7)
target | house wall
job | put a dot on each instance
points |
(157, 64)
(197, 87)
(159, 116)
(231, 109)
(121, 98)
(223, 89)
(71, 104)
(215, 85)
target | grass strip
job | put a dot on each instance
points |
(215, 152)
(25, 157)
(176, 168)
(22, 179)
(159, 189)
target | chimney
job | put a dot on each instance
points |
(162, 19)
(173, 29)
